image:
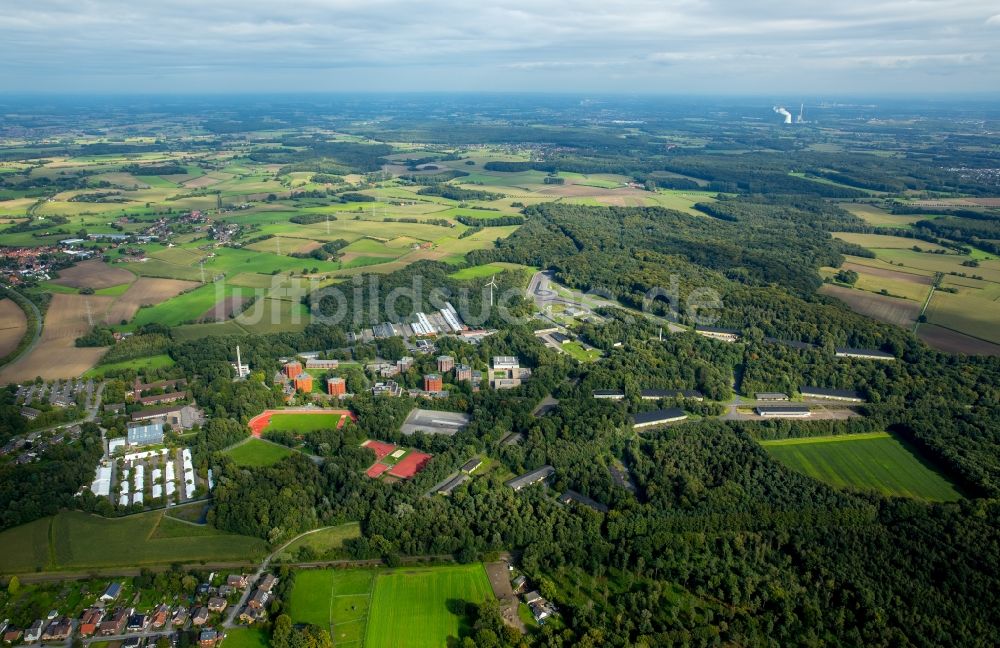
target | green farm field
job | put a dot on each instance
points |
(74, 541)
(875, 461)
(404, 606)
(257, 452)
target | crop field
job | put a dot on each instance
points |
(885, 242)
(874, 461)
(968, 312)
(56, 355)
(892, 310)
(875, 216)
(257, 452)
(73, 541)
(897, 283)
(274, 315)
(13, 326)
(487, 270)
(153, 267)
(188, 307)
(404, 606)
(195, 331)
(93, 274)
(146, 291)
(139, 364)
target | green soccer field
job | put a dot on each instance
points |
(403, 607)
(874, 461)
(303, 422)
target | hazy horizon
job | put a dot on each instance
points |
(678, 47)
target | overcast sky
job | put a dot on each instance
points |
(659, 46)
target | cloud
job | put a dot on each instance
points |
(634, 45)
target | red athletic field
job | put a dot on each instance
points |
(410, 465)
(382, 449)
(376, 470)
(261, 421)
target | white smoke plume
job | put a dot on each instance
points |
(781, 111)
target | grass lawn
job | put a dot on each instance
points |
(73, 540)
(325, 544)
(406, 606)
(246, 638)
(487, 270)
(576, 350)
(257, 452)
(872, 461)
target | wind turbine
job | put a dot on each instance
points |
(492, 284)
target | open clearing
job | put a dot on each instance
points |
(73, 541)
(419, 606)
(257, 452)
(873, 461)
(326, 544)
(13, 326)
(93, 274)
(892, 310)
(145, 291)
(56, 355)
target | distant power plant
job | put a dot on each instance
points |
(801, 119)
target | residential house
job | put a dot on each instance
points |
(34, 632)
(180, 616)
(216, 604)
(160, 615)
(90, 621)
(251, 615)
(200, 616)
(208, 639)
(115, 625)
(267, 583)
(138, 623)
(59, 630)
(258, 599)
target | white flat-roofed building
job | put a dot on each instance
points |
(506, 363)
(783, 411)
(862, 354)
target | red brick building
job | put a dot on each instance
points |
(336, 386)
(445, 363)
(433, 383)
(293, 369)
(303, 383)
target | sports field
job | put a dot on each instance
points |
(418, 606)
(257, 452)
(298, 420)
(874, 461)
